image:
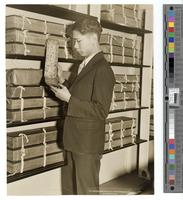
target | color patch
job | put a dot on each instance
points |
(171, 146)
(171, 151)
(170, 24)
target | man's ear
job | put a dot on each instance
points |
(93, 36)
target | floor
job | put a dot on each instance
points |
(129, 184)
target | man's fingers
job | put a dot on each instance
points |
(54, 89)
(62, 86)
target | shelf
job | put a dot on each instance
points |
(35, 121)
(122, 28)
(41, 58)
(51, 10)
(138, 141)
(33, 172)
(129, 109)
(130, 65)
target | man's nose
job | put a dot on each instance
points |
(76, 46)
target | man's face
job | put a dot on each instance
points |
(83, 43)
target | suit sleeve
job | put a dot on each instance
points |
(98, 107)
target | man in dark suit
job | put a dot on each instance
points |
(89, 98)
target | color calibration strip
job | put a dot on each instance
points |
(171, 44)
(171, 139)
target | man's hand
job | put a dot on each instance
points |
(60, 74)
(61, 93)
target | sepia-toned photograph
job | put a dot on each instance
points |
(79, 99)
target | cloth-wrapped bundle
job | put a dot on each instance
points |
(122, 59)
(16, 104)
(127, 10)
(130, 16)
(28, 77)
(24, 77)
(121, 39)
(121, 19)
(51, 63)
(126, 87)
(117, 134)
(33, 50)
(113, 17)
(110, 145)
(35, 136)
(116, 50)
(26, 37)
(33, 151)
(126, 104)
(120, 122)
(16, 167)
(22, 92)
(119, 131)
(35, 25)
(33, 114)
(126, 95)
(124, 78)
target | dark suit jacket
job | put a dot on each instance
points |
(88, 107)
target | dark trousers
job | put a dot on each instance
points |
(81, 174)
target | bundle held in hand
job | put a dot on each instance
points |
(51, 63)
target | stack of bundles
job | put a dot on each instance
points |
(28, 98)
(151, 125)
(28, 36)
(119, 131)
(126, 92)
(127, 15)
(121, 47)
(28, 150)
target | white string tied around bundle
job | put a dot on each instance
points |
(26, 51)
(45, 147)
(110, 136)
(133, 131)
(121, 132)
(24, 19)
(113, 103)
(23, 150)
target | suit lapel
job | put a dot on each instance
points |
(90, 66)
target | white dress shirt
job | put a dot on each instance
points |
(85, 62)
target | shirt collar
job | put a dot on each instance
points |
(86, 60)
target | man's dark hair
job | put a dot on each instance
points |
(87, 25)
